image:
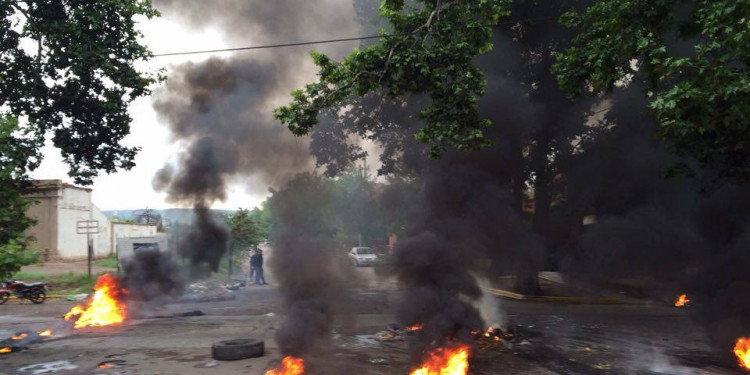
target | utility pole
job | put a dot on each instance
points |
(229, 266)
(88, 227)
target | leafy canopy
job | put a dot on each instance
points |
(430, 50)
(68, 68)
(699, 95)
(249, 227)
(18, 154)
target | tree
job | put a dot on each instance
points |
(17, 155)
(693, 58)
(431, 51)
(77, 82)
(247, 228)
(535, 123)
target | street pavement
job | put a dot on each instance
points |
(557, 338)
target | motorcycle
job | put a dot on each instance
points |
(34, 292)
(4, 295)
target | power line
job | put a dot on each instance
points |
(322, 41)
(277, 45)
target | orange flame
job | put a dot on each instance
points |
(19, 337)
(289, 366)
(45, 333)
(682, 301)
(415, 327)
(5, 350)
(104, 309)
(489, 332)
(445, 361)
(742, 351)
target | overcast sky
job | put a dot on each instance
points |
(132, 189)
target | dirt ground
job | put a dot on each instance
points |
(560, 339)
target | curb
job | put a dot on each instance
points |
(572, 300)
(12, 298)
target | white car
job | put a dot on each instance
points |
(362, 256)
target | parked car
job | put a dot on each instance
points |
(362, 256)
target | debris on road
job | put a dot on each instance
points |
(210, 364)
(48, 367)
(77, 297)
(206, 291)
(232, 350)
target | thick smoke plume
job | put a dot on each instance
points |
(311, 271)
(150, 275)
(579, 160)
(222, 110)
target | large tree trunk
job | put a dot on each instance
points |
(518, 179)
(527, 281)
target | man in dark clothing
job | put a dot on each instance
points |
(256, 268)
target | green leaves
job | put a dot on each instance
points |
(249, 228)
(431, 52)
(18, 153)
(13, 255)
(701, 99)
(79, 80)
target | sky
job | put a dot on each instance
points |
(132, 189)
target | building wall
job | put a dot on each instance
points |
(74, 205)
(127, 230)
(103, 240)
(58, 209)
(126, 245)
(44, 232)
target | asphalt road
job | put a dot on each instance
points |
(557, 339)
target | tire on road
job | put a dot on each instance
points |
(232, 350)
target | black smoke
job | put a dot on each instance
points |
(313, 274)
(221, 109)
(666, 233)
(150, 275)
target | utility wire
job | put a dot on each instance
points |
(320, 41)
(277, 45)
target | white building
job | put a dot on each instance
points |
(58, 209)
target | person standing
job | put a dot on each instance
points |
(256, 262)
(259, 271)
(251, 271)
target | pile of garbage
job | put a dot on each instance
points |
(395, 333)
(209, 291)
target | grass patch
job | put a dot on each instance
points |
(110, 262)
(66, 283)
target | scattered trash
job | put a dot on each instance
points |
(378, 361)
(270, 314)
(603, 366)
(359, 341)
(112, 363)
(233, 287)
(210, 364)
(178, 315)
(190, 313)
(77, 297)
(48, 367)
(388, 336)
(206, 291)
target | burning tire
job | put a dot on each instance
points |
(37, 297)
(232, 350)
(4, 297)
